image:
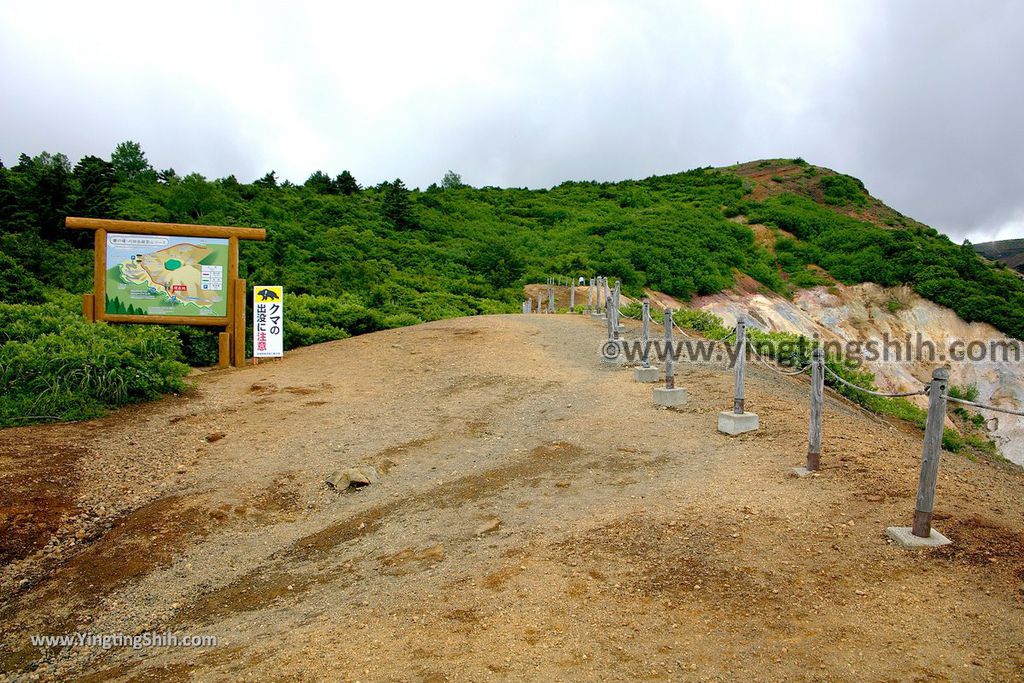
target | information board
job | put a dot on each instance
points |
(166, 275)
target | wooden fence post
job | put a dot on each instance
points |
(670, 366)
(615, 300)
(609, 320)
(817, 399)
(738, 420)
(645, 334)
(741, 370)
(921, 534)
(934, 428)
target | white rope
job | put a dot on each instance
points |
(919, 392)
(791, 373)
(722, 339)
(985, 407)
(681, 330)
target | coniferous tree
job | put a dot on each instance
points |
(168, 175)
(96, 180)
(269, 180)
(321, 183)
(44, 191)
(346, 183)
(397, 205)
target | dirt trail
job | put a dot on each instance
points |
(536, 519)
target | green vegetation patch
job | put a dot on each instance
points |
(56, 366)
(356, 259)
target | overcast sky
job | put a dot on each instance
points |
(923, 100)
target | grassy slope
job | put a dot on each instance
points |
(349, 266)
(1010, 252)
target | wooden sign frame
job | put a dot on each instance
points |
(231, 343)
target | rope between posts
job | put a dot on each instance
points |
(791, 373)
(722, 339)
(681, 330)
(919, 392)
(985, 407)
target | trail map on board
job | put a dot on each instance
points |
(156, 275)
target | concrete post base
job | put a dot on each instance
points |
(610, 347)
(670, 398)
(903, 536)
(650, 374)
(597, 316)
(732, 423)
(613, 346)
(802, 472)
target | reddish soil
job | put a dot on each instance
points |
(536, 518)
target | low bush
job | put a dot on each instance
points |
(55, 365)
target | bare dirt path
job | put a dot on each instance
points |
(536, 519)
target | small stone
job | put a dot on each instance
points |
(353, 477)
(213, 437)
(337, 480)
(489, 526)
(362, 476)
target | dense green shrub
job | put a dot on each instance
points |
(854, 251)
(354, 260)
(843, 189)
(55, 365)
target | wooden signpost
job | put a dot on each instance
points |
(182, 283)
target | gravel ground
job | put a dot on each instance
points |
(535, 518)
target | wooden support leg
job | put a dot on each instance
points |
(239, 332)
(89, 307)
(224, 350)
(99, 285)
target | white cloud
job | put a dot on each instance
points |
(916, 99)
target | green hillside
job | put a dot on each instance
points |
(1010, 252)
(354, 259)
